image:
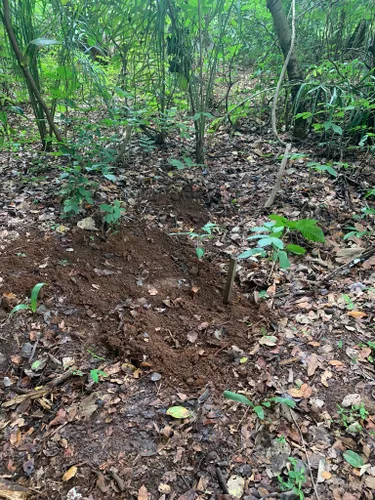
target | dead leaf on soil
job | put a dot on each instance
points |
(268, 340)
(143, 493)
(313, 364)
(70, 473)
(304, 391)
(87, 224)
(236, 485)
(12, 491)
(357, 314)
(323, 471)
(152, 291)
(325, 376)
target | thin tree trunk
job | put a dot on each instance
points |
(295, 75)
(25, 69)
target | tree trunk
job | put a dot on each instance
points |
(26, 71)
(295, 75)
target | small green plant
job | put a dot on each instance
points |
(271, 235)
(350, 305)
(350, 418)
(206, 233)
(186, 162)
(356, 232)
(258, 409)
(33, 301)
(113, 212)
(296, 479)
(322, 168)
(96, 373)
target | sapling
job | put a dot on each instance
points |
(33, 301)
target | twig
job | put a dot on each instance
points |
(230, 280)
(306, 454)
(222, 481)
(279, 177)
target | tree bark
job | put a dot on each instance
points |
(295, 75)
(25, 69)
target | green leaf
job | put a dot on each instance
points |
(353, 459)
(36, 365)
(283, 260)
(269, 240)
(296, 249)
(20, 307)
(178, 412)
(259, 411)
(281, 221)
(239, 398)
(309, 230)
(44, 42)
(95, 374)
(200, 252)
(284, 401)
(34, 296)
(250, 253)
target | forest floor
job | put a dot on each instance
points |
(137, 310)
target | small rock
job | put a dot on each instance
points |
(26, 350)
(155, 377)
(7, 382)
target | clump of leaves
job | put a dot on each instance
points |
(186, 162)
(205, 234)
(258, 409)
(113, 212)
(296, 479)
(270, 239)
(33, 301)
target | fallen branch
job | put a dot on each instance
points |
(279, 177)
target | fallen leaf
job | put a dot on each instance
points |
(303, 392)
(236, 486)
(152, 291)
(313, 364)
(336, 363)
(12, 491)
(356, 314)
(164, 488)
(87, 224)
(325, 376)
(192, 337)
(268, 340)
(143, 493)
(178, 412)
(70, 473)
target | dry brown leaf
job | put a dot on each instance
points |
(143, 493)
(70, 473)
(12, 491)
(336, 363)
(304, 391)
(312, 365)
(325, 376)
(356, 314)
(152, 291)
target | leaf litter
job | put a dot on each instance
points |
(139, 303)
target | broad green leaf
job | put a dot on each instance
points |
(269, 240)
(239, 398)
(34, 296)
(36, 365)
(283, 260)
(178, 412)
(200, 252)
(284, 401)
(20, 307)
(250, 253)
(353, 459)
(296, 249)
(281, 221)
(259, 411)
